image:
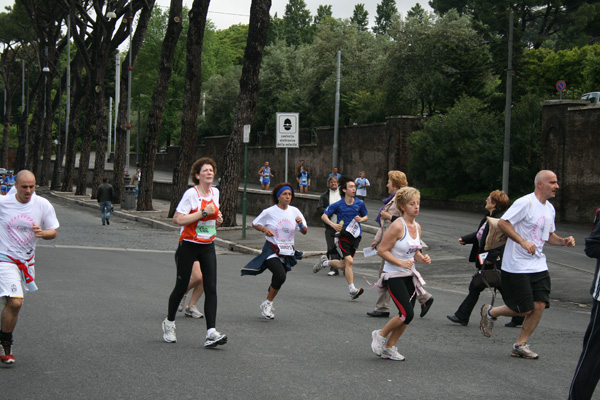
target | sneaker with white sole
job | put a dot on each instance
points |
(181, 304)
(487, 322)
(6, 355)
(523, 351)
(377, 342)
(169, 332)
(267, 309)
(355, 293)
(319, 265)
(391, 353)
(193, 312)
(215, 339)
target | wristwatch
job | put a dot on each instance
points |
(204, 213)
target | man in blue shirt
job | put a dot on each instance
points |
(350, 213)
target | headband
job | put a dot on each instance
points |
(282, 189)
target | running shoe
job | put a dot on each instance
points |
(215, 339)
(377, 342)
(319, 265)
(523, 351)
(333, 272)
(169, 332)
(182, 303)
(267, 309)
(487, 322)
(6, 355)
(193, 312)
(391, 353)
(355, 293)
(425, 307)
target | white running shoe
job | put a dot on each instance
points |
(215, 339)
(193, 312)
(319, 265)
(356, 292)
(377, 343)
(267, 309)
(391, 353)
(169, 332)
(181, 304)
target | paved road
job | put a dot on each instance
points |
(93, 331)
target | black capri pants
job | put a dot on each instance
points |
(401, 290)
(279, 272)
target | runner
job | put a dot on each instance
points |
(24, 218)
(400, 248)
(198, 215)
(279, 223)
(350, 213)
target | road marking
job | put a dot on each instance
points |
(60, 246)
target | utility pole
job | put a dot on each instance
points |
(334, 158)
(507, 112)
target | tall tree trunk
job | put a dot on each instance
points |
(155, 118)
(4, 154)
(246, 105)
(191, 101)
(101, 136)
(77, 100)
(121, 131)
(87, 133)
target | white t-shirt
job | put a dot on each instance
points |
(534, 222)
(16, 219)
(361, 186)
(283, 224)
(204, 230)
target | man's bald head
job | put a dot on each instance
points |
(24, 174)
(25, 185)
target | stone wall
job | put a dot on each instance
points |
(570, 148)
(374, 148)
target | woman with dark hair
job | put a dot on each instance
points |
(199, 216)
(495, 205)
(279, 223)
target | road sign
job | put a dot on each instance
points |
(287, 130)
(246, 134)
(561, 86)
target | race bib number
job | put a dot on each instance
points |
(286, 249)
(354, 228)
(204, 230)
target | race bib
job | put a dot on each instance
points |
(205, 230)
(354, 228)
(286, 249)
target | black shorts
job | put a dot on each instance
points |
(346, 244)
(520, 291)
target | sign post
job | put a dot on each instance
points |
(560, 87)
(287, 134)
(246, 139)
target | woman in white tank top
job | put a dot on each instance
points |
(400, 248)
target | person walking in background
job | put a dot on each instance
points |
(279, 223)
(105, 195)
(24, 219)
(265, 176)
(529, 224)
(350, 212)
(303, 179)
(197, 289)
(362, 183)
(400, 248)
(135, 181)
(495, 205)
(329, 197)
(8, 182)
(587, 371)
(335, 174)
(199, 216)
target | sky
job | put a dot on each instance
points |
(225, 13)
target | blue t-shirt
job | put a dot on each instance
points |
(346, 213)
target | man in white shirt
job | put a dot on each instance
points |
(528, 224)
(24, 218)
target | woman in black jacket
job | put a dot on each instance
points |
(495, 204)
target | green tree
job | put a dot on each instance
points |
(386, 11)
(324, 12)
(360, 17)
(297, 23)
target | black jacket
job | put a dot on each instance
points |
(105, 192)
(494, 255)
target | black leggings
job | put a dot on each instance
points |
(186, 254)
(279, 272)
(401, 290)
